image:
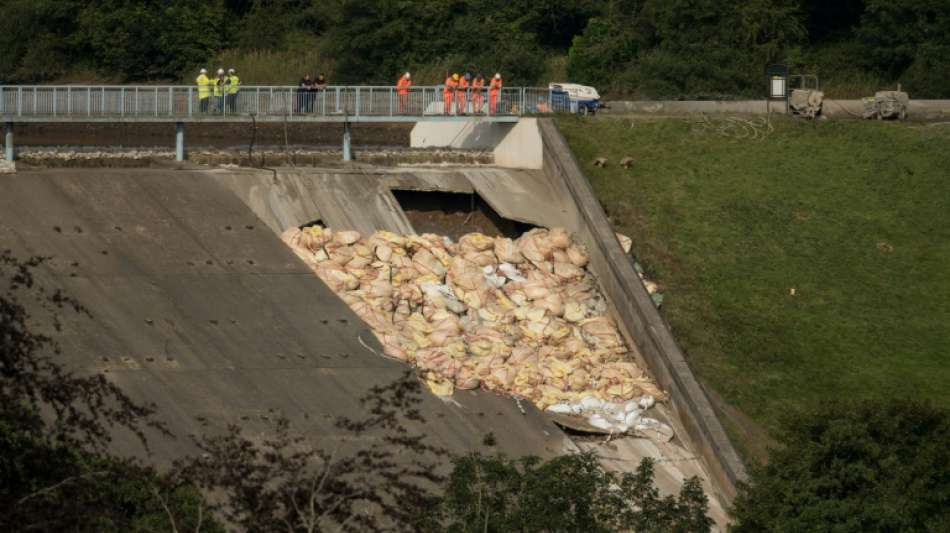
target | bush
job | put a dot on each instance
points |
(871, 466)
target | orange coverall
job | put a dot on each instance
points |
(450, 87)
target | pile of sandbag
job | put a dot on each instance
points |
(522, 317)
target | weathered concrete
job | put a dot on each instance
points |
(471, 135)
(514, 146)
(522, 147)
(917, 109)
(641, 324)
(197, 306)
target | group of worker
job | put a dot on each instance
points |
(459, 89)
(223, 88)
(219, 94)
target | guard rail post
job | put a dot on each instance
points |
(8, 141)
(179, 141)
(347, 156)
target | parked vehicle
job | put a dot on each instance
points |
(575, 98)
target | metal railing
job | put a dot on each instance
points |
(189, 102)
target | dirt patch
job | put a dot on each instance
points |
(455, 214)
(222, 135)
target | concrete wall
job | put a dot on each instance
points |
(467, 135)
(918, 109)
(515, 145)
(639, 320)
(521, 147)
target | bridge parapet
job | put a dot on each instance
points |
(183, 103)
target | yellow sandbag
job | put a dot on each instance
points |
(346, 237)
(559, 238)
(507, 252)
(567, 271)
(577, 254)
(574, 311)
(476, 241)
(439, 386)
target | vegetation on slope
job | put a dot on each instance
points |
(808, 266)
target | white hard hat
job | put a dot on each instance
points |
(407, 75)
(230, 71)
(220, 71)
(497, 76)
(204, 71)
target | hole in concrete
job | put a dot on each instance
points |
(208, 262)
(57, 229)
(317, 222)
(455, 214)
(118, 228)
(78, 229)
(227, 228)
(250, 261)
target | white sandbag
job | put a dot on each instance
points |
(625, 243)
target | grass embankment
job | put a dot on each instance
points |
(854, 216)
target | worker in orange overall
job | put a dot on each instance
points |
(451, 84)
(402, 91)
(462, 92)
(493, 89)
(478, 96)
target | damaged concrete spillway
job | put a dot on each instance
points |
(198, 306)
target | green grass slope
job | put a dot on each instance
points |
(855, 216)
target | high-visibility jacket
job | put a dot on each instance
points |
(494, 86)
(463, 85)
(402, 86)
(450, 86)
(235, 82)
(204, 86)
(218, 86)
(478, 84)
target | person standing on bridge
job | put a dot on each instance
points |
(204, 90)
(303, 94)
(451, 85)
(402, 92)
(233, 86)
(462, 93)
(219, 86)
(478, 94)
(319, 91)
(493, 89)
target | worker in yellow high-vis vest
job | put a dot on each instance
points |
(233, 86)
(218, 87)
(204, 90)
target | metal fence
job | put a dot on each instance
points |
(188, 102)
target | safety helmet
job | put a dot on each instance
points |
(230, 71)
(455, 77)
(497, 76)
(204, 71)
(220, 71)
(406, 75)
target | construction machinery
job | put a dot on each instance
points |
(805, 99)
(887, 105)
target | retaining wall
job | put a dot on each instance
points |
(640, 321)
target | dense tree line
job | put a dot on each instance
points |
(652, 48)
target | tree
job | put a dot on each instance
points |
(869, 466)
(154, 39)
(55, 471)
(283, 483)
(568, 493)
